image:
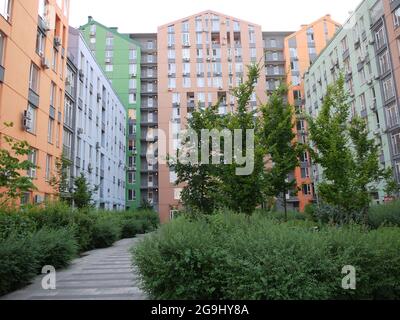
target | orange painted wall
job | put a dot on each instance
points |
(20, 51)
(304, 63)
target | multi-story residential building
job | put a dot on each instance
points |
(33, 40)
(301, 50)
(200, 59)
(392, 25)
(359, 50)
(148, 117)
(275, 59)
(120, 58)
(99, 147)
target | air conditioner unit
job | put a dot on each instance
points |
(372, 42)
(97, 145)
(80, 131)
(45, 63)
(108, 60)
(68, 81)
(186, 44)
(208, 59)
(220, 88)
(27, 123)
(377, 132)
(57, 41)
(169, 89)
(133, 75)
(370, 81)
(98, 97)
(186, 59)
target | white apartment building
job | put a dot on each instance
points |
(99, 138)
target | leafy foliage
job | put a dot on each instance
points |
(349, 158)
(235, 257)
(279, 139)
(12, 180)
(83, 193)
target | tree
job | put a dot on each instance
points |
(220, 182)
(13, 171)
(202, 186)
(60, 181)
(279, 139)
(244, 192)
(83, 194)
(349, 159)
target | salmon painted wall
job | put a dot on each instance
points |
(20, 51)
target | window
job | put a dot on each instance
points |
(384, 62)
(30, 121)
(132, 69)
(54, 60)
(5, 9)
(2, 48)
(34, 78)
(132, 98)
(132, 84)
(131, 195)
(388, 89)
(52, 94)
(380, 37)
(132, 54)
(307, 189)
(50, 130)
(109, 68)
(109, 41)
(396, 143)
(40, 43)
(33, 158)
(131, 177)
(49, 163)
(392, 115)
(396, 18)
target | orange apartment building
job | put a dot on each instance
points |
(200, 59)
(301, 49)
(33, 40)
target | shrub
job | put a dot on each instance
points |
(54, 247)
(387, 214)
(235, 257)
(18, 263)
(12, 222)
(105, 232)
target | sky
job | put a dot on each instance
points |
(136, 16)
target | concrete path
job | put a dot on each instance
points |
(104, 274)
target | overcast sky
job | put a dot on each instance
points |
(146, 15)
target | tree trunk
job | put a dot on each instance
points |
(285, 205)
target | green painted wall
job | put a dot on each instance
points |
(120, 78)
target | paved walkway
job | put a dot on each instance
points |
(104, 274)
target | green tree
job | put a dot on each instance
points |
(349, 158)
(279, 139)
(13, 170)
(60, 181)
(202, 185)
(217, 183)
(83, 193)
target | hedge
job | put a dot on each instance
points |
(236, 257)
(55, 234)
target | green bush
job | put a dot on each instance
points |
(105, 232)
(387, 214)
(54, 247)
(238, 257)
(18, 263)
(12, 222)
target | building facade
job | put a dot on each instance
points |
(33, 42)
(301, 50)
(391, 23)
(120, 58)
(358, 51)
(200, 60)
(148, 118)
(99, 127)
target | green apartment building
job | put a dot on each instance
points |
(120, 57)
(357, 52)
